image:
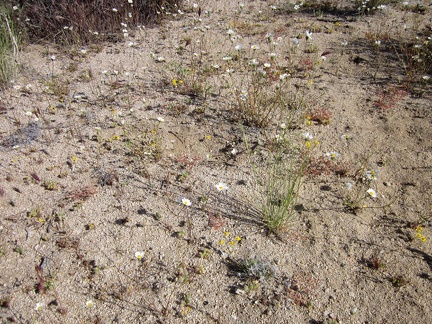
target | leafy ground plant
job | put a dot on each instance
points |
(253, 268)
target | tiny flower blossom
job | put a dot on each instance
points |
(39, 306)
(221, 186)
(267, 65)
(371, 193)
(346, 137)
(230, 32)
(255, 47)
(253, 62)
(114, 9)
(139, 255)
(160, 119)
(308, 34)
(261, 71)
(371, 175)
(89, 303)
(186, 202)
(283, 76)
(234, 152)
(333, 155)
(307, 136)
(282, 126)
(239, 47)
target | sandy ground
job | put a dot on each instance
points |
(100, 145)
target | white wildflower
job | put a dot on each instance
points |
(186, 202)
(139, 255)
(371, 193)
(221, 186)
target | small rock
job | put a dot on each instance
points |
(239, 291)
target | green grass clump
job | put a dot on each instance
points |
(9, 41)
(279, 180)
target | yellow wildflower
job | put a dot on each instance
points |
(114, 138)
(421, 237)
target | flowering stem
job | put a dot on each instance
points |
(189, 226)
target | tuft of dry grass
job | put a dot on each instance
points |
(80, 22)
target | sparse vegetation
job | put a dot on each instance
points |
(214, 161)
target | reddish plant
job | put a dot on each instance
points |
(319, 115)
(216, 221)
(389, 98)
(82, 194)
